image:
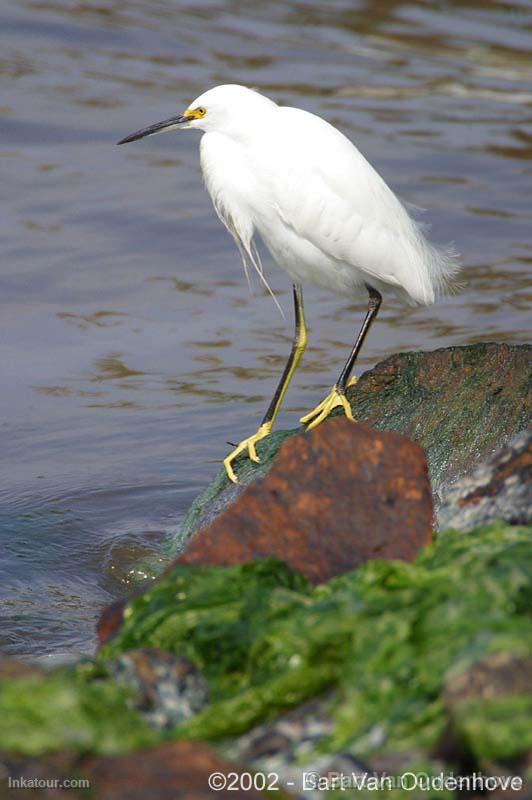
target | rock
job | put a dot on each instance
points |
(489, 706)
(172, 771)
(39, 778)
(383, 639)
(111, 619)
(112, 615)
(496, 675)
(460, 403)
(499, 489)
(334, 498)
(168, 688)
(369, 668)
(290, 746)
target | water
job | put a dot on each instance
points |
(131, 350)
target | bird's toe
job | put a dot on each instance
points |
(248, 444)
(334, 399)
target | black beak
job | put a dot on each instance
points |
(159, 127)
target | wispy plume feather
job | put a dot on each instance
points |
(248, 252)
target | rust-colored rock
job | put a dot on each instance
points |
(111, 619)
(112, 616)
(335, 497)
(173, 771)
(170, 771)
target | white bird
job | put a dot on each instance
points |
(322, 211)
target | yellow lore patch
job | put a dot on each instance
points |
(195, 113)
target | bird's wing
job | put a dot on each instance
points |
(327, 193)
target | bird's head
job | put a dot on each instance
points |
(229, 109)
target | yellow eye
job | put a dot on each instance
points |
(201, 111)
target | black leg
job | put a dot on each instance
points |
(374, 303)
(336, 397)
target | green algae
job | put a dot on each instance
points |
(74, 709)
(496, 728)
(387, 637)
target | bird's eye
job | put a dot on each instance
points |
(201, 111)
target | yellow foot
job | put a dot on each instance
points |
(323, 409)
(249, 445)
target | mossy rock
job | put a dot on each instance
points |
(385, 639)
(385, 635)
(460, 403)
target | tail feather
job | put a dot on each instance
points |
(433, 269)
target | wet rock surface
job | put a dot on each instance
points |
(167, 688)
(111, 619)
(461, 404)
(335, 497)
(499, 489)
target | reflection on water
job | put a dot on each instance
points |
(131, 348)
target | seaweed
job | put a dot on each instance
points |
(387, 637)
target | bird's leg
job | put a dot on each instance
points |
(336, 396)
(298, 347)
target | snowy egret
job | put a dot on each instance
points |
(322, 211)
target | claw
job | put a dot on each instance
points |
(249, 445)
(323, 409)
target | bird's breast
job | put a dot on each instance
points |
(230, 181)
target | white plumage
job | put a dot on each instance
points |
(325, 215)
